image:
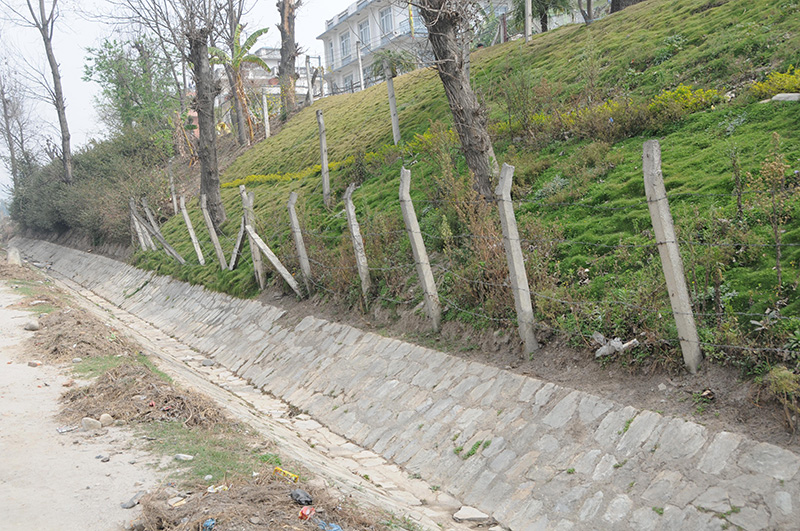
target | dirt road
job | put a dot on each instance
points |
(48, 480)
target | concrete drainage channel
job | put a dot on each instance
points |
(531, 454)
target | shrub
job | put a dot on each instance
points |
(672, 104)
(777, 82)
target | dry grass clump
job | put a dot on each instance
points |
(133, 393)
(70, 332)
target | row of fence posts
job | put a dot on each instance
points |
(147, 229)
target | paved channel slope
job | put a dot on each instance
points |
(532, 454)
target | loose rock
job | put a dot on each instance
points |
(106, 419)
(32, 326)
(183, 457)
(470, 514)
(77, 360)
(133, 502)
(14, 257)
(34, 363)
(89, 424)
(207, 363)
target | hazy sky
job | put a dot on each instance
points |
(74, 34)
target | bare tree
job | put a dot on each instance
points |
(187, 26)
(43, 18)
(289, 53)
(447, 21)
(587, 13)
(7, 128)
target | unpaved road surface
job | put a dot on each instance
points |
(48, 480)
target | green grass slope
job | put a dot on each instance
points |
(570, 110)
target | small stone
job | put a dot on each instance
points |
(133, 502)
(255, 520)
(77, 360)
(470, 514)
(207, 363)
(120, 422)
(106, 420)
(176, 501)
(32, 326)
(34, 363)
(183, 457)
(662, 387)
(89, 423)
(209, 477)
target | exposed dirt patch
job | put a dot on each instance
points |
(664, 387)
(72, 333)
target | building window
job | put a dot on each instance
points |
(363, 33)
(387, 23)
(344, 41)
(348, 82)
(330, 54)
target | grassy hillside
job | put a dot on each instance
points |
(570, 111)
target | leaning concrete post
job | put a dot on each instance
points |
(172, 191)
(358, 242)
(237, 247)
(323, 154)
(249, 219)
(387, 73)
(670, 255)
(150, 217)
(137, 230)
(158, 236)
(212, 232)
(148, 241)
(297, 236)
(424, 272)
(274, 260)
(192, 235)
(360, 67)
(516, 263)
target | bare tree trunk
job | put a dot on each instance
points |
(619, 5)
(207, 151)
(444, 19)
(241, 126)
(587, 13)
(289, 52)
(45, 23)
(12, 151)
(543, 20)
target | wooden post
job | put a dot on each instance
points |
(387, 73)
(670, 255)
(150, 217)
(249, 219)
(516, 263)
(192, 235)
(157, 235)
(308, 81)
(358, 242)
(265, 108)
(148, 241)
(360, 67)
(237, 247)
(323, 154)
(274, 260)
(528, 20)
(432, 307)
(297, 235)
(212, 232)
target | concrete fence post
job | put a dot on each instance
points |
(297, 236)
(264, 248)
(145, 235)
(150, 217)
(172, 191)
(516, 263)
(528, 20)
(157, 235)
(671, 261)
(192, 235)
(358, 243)
(387, 73)
(323, 155)
(360, 67)
(137, 233)
(237, 247)
(310, 96)
(432, 307)
(212, 232)
(249, 219)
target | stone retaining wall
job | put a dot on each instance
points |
(532, 454)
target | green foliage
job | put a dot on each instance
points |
(777, 82)
(400, 62)
(682, 100)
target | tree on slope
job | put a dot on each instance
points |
(619, 5)
(540, 8)
(240, 56)
(43, 17)
(289, 51)
(447, 21)
(187, 26)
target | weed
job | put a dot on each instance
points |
(271, 459)
(658, 510)
(435, 488)
(570, 471)
(620, 464)
(458, 449)
(626, 427)
(473, 450)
